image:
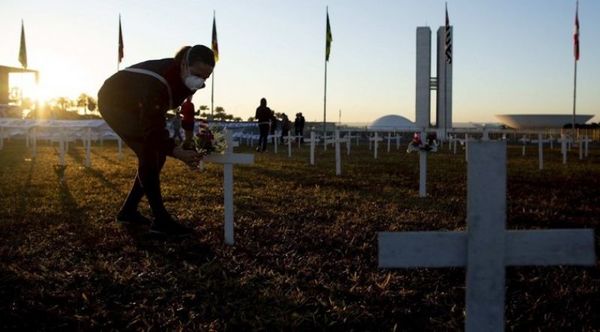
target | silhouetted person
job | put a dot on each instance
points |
(133, 102)
(263, 116)
(286, 125)
(299, 126)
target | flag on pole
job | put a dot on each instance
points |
(23, 48)
(328, 39)
(215, 43)
(448, 44)
(120, 41)
(576, 33)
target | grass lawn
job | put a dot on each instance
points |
(305, 256)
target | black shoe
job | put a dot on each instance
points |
(132, 218)
(168, 226)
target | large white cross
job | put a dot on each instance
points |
(486, 248)
(289, 139)
(228, 159)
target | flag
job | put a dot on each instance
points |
(576, 34)
(23, 48)
(448, 43)
(328, 39)
(120, 41)
(215, 43)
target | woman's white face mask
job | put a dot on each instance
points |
(194, 82)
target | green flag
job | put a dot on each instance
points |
(23, 48)
(328, 39)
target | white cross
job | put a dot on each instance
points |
(524, 140)
(313, 140)
(486, 248)
(88, 144)
(585, 140)
(289, 139)
(540, 141)
(228, 159)
(375, 139)
(389, 141)
(338, 158)
(422, 171)
(34, 142)
(564, 140)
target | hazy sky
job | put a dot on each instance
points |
(510, 56)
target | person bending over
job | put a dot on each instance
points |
(133, 102)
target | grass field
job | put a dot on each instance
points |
(305, 256)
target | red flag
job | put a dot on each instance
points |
(576, 34)
(120, 41)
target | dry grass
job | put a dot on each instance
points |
(305, 256)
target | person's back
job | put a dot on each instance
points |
(263, 116)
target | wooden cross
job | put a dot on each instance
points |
(486, 248)
(228, 159)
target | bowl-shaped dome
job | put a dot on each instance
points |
(391, 122)
(531, 121)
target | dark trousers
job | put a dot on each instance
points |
(299, 132)
(264, 134)
(150, 161)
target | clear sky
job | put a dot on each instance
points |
(510, 56)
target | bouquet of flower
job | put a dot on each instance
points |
(207, 142)
(417, 144)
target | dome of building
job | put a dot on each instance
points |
(391, 122)
(536, 121)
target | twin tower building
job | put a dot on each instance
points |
(442, 84)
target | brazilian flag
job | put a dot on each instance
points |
(328, 39)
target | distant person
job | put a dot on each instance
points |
(286, 125)
(263, 116)
(187, 111)
(176, 123)
(299, 126)
(133, 102)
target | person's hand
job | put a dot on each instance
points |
(190, 157)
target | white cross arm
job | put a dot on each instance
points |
(422, 249)
(550, 247)
(449, 249)
(233, 158)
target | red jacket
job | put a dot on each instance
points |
(187, 111)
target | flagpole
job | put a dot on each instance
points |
(576, 57)
(325, 85)
(574, 97)
(325, 104)
(212, 95)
